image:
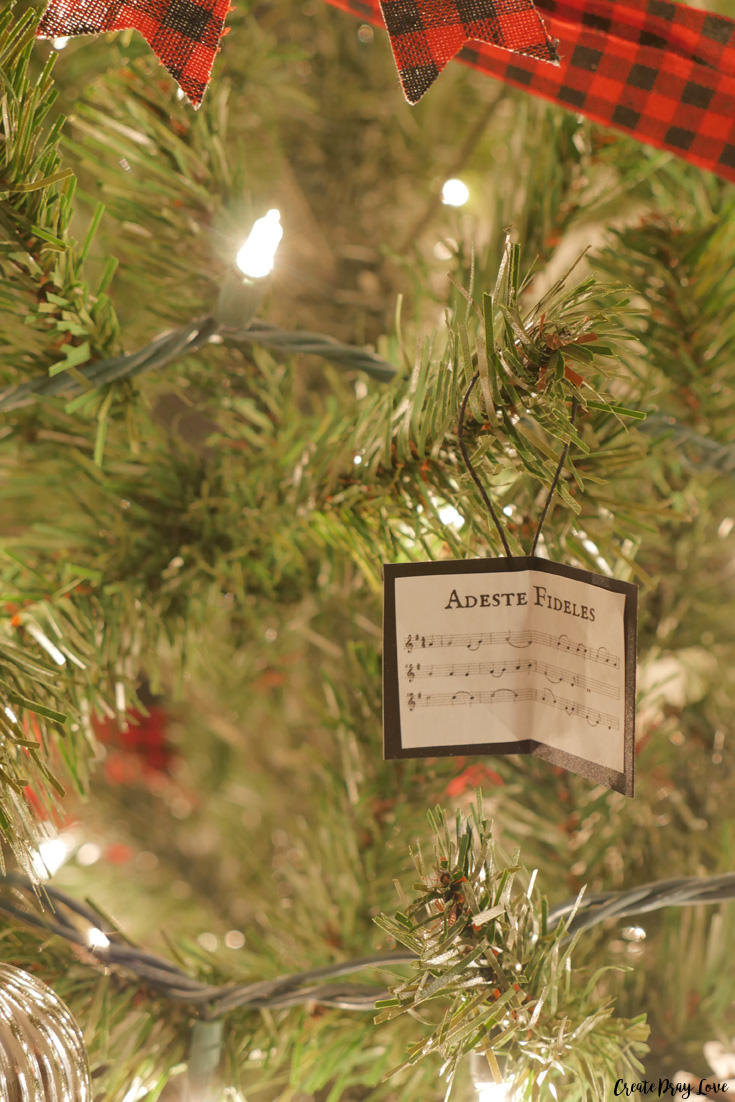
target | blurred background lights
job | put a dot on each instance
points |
(449, 515)
(88, 854)
(255, 258)
(208, 942)
(234, 939)
(455, 193)
(442, 251)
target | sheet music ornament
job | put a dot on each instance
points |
(517, 655)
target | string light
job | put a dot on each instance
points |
(59, 43)
(455, 193)
(492, 1092)
(51, 855)
(11, 715)
(255, 259)
(488, 1089)
(239, 298)
(97, 939)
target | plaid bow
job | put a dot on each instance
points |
(183, 34)
(660, 71)
(426, 34)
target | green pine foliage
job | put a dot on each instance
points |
(205, 526)
(504, 979)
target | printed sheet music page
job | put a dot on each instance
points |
(503, 657)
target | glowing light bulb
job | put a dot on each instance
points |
(488, 1090)
(255, 258)
(455, 193)
(59, 43)
(96, 939)
(51, 855)
(492, 1092)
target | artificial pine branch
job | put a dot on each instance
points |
(503, 979)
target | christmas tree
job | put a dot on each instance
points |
(203, 471)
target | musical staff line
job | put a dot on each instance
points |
(520, 639)
(512, 665)
(512, 696)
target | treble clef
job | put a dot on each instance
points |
(409, 673)
(409, 644)
(411, 701)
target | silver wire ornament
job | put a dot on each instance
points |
(42, 1054)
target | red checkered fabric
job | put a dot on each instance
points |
(426, 34)
(183, 34)
(662, 72)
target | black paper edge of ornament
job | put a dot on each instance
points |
(598, 774)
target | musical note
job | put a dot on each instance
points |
(510, 696)
(461, 697)
(554, 674)
(519, 640)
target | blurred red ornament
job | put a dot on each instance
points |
(117, 853)
(473, 776)
(142, 749)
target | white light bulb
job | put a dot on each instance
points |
(255, 258)
(455, 193)
(492, 1092)
(51, 855)
(96, 939)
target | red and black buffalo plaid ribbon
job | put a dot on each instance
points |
(662, 72)
(184, 34)
(426, 34)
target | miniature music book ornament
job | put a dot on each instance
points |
(511, 656)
